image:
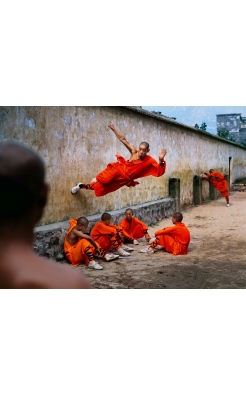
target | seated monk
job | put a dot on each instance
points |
(80, 247)
(125, 172)
(134, 228)
(218, 180)
(174, 239)
(109, 236)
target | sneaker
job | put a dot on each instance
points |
(151, 240)
(126, 248)
(111, 257)
(113, 251)
(95, 265)
(135, 242)
(227, 205)
(122, 252)
(159, 247)
(147, 249)
(76, 188)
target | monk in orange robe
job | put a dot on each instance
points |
(174, 239)
(81, 248)
(109, 236)
(218, 180)
(125, 172)
(133, 228)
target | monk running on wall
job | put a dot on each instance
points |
(218, 180)
(125, 172)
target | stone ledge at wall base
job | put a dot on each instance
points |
(49, 239)
(239, 187)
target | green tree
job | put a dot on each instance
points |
(224, 133)
(156, 112)
(203, 126)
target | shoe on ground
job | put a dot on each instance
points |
(147, 250)
(113, 251)
(135, 242)
(122, 252)
(111, 257)
(159, 247)
(227, 205)
(126, 248)
(76, 188)
(151, 240)
(95, 265)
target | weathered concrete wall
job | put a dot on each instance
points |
(76, 144)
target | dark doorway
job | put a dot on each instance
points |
(230, 171)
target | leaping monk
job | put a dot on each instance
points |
(125, 172)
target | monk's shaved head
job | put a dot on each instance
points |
(106, 216)
(146, 145)
(83, 221)
(22, 175)
(178, 216)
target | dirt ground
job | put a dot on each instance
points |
(216, 257)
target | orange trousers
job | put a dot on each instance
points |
(81, 252)
(170, 245)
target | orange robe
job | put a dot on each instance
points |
(106, 235)
(120, 173)
(174, 239)
(134, 228)
(219, 182)
(78, 253)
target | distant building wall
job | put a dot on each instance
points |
(235, 124)
(76, 144)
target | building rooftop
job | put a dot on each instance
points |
(228, 114)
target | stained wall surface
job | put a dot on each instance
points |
(76, 144)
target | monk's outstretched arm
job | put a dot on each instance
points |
(122, 139)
